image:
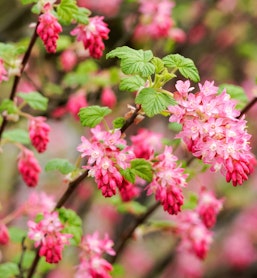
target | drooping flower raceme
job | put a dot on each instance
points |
(28, 167)
(4, 234)
(39, 133)
(91, 262)
(107, 152)
(49, 29)
(92, 35)
(3, 72)
(48, 236)
(168, 181)
(212, 130)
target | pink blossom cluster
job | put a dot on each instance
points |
(68, 60)
(193, 226)
(39, 133)
(48, 236)
(28, 167)
(168, 181)
(3, 72)
(91, 262)
(146, 143)
(92, 35)
(212, 130)
(48, 29)
(108, 97)
(107, 152)
(156, 21)
(108, 8)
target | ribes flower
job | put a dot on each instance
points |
(48, 236)
(208, 207)
(146, 143)
(212, 130)
(168, 181)
(39, 133)
(106, 152)
(75, 102)
(108, 97)
(28, 167)
(92, 35)
(91, 262)
(48, 29)
(68, 60)
(3, 72)
(4, 234)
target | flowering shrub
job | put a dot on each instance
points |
(119, 135)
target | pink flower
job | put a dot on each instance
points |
(48, 236)
(4, 234)
(68, 60)
(212, 131)
(128, 191)
(92, 35)
(28, 167)
(49, 29)
(38, 202)
(3, 72)
(75, 102)
(91, 263)
(39, 133)
(105, 158)
(108, 97)
(146, 143)
(168, 181)
(208, 207)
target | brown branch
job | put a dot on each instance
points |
(247, 107)
(120, 245)
(130, 121)
(18, 77)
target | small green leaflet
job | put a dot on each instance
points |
(93, 115)
(185, 66)
(191, 202)
(25, 2)
(65, 11)
(16, 234)
(61, 165)
(35, 100)
(8, 270)
(158, 64)
(17, 135)
(8, 106)
(119, 122)
(134, 61)
(154, 102)
(132, 83)
(235, 92)
(72, 224)
(138, 167)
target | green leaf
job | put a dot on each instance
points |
(72, 224)
(142, 168)
(158, 64)
(153, 102)
(9, 106)
(119, 122)
(61, 165)
(35, 100)
(132, 83)
(128, 174)
(16, 234)
(134, 61)
(81, 16)
(66, 11)
(118, 271)
(9, 270)
(185, 66)
(17, 135)
(9, 52)
(63, 42)
(175, 127)
(93, 115)
(235, 92)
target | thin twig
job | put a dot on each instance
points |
(18, 77)
(247, 107)
(23, 248)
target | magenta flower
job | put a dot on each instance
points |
(3, 72)
(39, 133)
(28, 167)
(49, 29)
(108, 97)
(92, 35)
(4, 234)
